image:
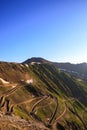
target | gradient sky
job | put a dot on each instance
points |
(53, 29)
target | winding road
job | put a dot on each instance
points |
(64, 112)
(35, 105)
(83, 112)
(11, 91)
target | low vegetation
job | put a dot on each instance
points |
(54, 100)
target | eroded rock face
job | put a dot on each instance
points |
(15, 123)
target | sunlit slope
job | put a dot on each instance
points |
(40, 93)
(59, 83)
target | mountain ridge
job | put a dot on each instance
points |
(43, 95)
(79, 70)
(40, 59)
(37, 59)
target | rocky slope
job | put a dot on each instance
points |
(38, 96)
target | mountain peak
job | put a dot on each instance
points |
(36, 59)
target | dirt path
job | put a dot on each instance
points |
(83, 113)
(34, 106)
(28, 101)
(63, 113)
(44, 105)
(13, 121)
(11, 91)
(65, 110)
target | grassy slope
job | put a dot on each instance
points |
(47, 80)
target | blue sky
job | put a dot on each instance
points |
(53, 29)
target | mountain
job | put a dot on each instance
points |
(36, 95)
(36, 60)
(78, 70)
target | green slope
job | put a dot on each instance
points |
(70, 92)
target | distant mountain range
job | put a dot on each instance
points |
(79, 70)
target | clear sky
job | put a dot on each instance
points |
(53, 29)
